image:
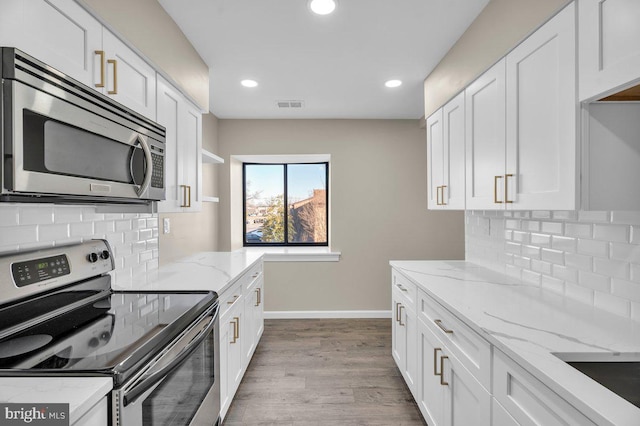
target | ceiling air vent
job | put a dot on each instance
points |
(290, 104)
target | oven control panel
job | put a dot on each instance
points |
(37, 270)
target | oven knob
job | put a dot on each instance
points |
(105, 254)
(92, 257)
(94, 342)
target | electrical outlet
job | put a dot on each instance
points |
(166, 225)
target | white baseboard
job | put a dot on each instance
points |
(325, 314)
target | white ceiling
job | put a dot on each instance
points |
(337, 64)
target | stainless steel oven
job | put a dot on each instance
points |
(63, 141)
(59, 317)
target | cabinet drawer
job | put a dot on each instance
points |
(230, 298)
(473, 351)
(527, 399)
(250, 278)
(406, 289)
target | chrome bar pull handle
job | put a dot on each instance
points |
(442, 327)
(442, 382)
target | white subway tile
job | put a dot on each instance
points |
(565, 215)
(521, 237)
(138, 246)
(53, 232)
(152, 243)
(531, 277)
(522, 262)
(531, 225)
(625, 289)
(67, 214)
(113, 216)
(152, 222)
(544, 214)
(567, 244)
(513, 271)
(593, 216)
(68, 241)
(578, 230)
(553, 284)
(553, 227)
(115, 239)
(578, 261)
(130, 261)
(625, 252)
(512, 247)
(122, 250)
(579, 293)
(531, 251)
(512, 224)
(139, 223)
(593, 281)
(105, 227)
(89, 215)
(156, 233)
(131, 236)
(146, 234)
(565, 273)
(635, 234)
(82, 229)
(522, 214)
(508, 235)
(36, 215)
(123, 225)
(594, 248)
(145, 256)
(612, 304)
(8, 215)
(635, 272)
(612, 268)
(152, 265)
(540, 240)
(625, 217)
(553, 256)
(541, 266)
(614, 233)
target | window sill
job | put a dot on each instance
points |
(295, 254)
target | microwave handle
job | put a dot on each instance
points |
(148, 380)
(149, 161)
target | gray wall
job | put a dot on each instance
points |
(378, 199)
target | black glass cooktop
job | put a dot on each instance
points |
(112, 336)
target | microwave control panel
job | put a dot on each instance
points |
(38, 270)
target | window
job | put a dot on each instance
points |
(286, 204)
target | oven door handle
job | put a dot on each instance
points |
(148, 380)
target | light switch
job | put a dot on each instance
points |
(166, 225)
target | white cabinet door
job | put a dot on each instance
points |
(226, 337)
(500, 416)
(609, 48)
(128, 78)
(59, 33)
(435, 160)
(453, 188)
(411, 348)
(248, 335)
(398, 333)
(190, 167)
(183, 167)
(541, 118)
(231, 360)
(258, 310)
(485, 140)
(430, 394)
(467, 402)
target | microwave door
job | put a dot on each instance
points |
(61, 148)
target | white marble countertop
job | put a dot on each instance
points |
(530, 324)
(81, 393)
(211, 271)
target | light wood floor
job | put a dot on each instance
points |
(324, 372)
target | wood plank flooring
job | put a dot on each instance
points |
(336, 372)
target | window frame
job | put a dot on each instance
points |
(286, 214)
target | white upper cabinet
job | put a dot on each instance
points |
(445, 153)
(63, 35)
(485, 140)
(521, 125)
(542, 118)
(126, 77)
(609, 47)
(183, 169)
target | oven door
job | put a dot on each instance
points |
(59, 148)
(180, 387)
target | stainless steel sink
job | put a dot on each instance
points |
(618, 372)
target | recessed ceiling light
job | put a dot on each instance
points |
(393, 83)
(322, 7)
(249, 83)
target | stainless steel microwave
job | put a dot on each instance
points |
(64, 142)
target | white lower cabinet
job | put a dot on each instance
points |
(241, 326)
(460, 378)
